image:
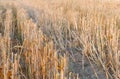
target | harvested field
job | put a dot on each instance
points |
(59, 39)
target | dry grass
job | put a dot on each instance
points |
(38, 39)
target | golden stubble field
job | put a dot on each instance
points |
(59, 39)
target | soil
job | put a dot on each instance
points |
(84, 68)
